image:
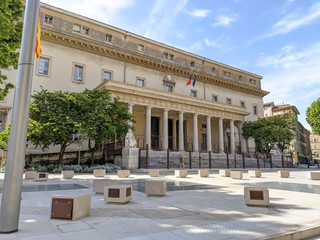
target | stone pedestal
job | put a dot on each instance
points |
(99, 172)
(118, 193)
(30, 175)
(224, 172)
(256, 196)
(67, 174)
(236, 174)
(284, 173)
(99, 184)
(314, 175)
(203, 172)
(123, 173)
(181, 173)
(130, 158)
(254, 173)
(154, 172)
(156, 187)
(41, 176)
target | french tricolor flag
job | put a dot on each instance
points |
(189, 80)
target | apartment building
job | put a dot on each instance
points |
(152, 78)
(300, 146)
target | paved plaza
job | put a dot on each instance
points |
(193, 208)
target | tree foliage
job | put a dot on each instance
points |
(10, 39)
(313, 116)
(266, 132)
(4, 138)
(93, 114)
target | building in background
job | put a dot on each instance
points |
(300, 146)
(315, 147)
(180, 101)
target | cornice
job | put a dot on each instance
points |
(83, 43)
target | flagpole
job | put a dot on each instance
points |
(12, 185)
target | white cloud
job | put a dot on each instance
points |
(292, 22)
(104, 11)
(296, 80)
(224, 20)
(201, 13)
(222, 43)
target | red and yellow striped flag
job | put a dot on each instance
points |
(38, 47)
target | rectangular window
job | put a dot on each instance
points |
(141, 48)
(252, 81)
(43, 67)
(85, 30)
(192, 64)
(240, 78)
(80, 29)
(214, 98)
(213, 70)
(108, 38)
(193, 93)
(229, 101)
(106, 75)
(78, 73)
(242, 104)
(168, 88)
(168, 56)
(48, 19)
(255, 110)
(140, 82)
(227, 74)
(76, 27)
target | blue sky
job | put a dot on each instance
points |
(277, 39)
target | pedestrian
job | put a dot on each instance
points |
(181, 161)
(308, 162)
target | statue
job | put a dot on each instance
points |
(130, 141)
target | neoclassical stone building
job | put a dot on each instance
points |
(150, 76)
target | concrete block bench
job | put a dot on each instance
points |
(99, 184)
(118, 194)
(67, 174)
(314, 175)
(154, 172)
(203, 172)
(99, 172)
(41, 176)
(72, 207)
(284, 173)
(182, 173)
(156, 187)
(254, 173)
(224, 172)
(123, 173)
(256, 196)
(30, 175)
(236, 174)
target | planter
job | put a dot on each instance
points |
(67, 174)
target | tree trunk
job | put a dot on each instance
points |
(62, 150)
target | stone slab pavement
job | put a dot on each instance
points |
(195, 208)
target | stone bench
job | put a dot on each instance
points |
(41, 176)
(67, 174)
(236, 174)
(284, 173)
(154, 172)
(99, 184)
(30, 174)
(71, 207)
(99, 172)
(182, 173)
(203, 172)
(314, 175)
(254, 173)
(256, 196)
(224, 172)
(123, 173)
(118, 194)
(156, 187)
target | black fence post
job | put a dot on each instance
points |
(210, 159)
(168, 155)
(235, 159)
(270, 160)
(139, 156)
(258, 163)
(199, 159)
(147, 155)
(190, 163)
(243, 161)
(282, 160)
(227, 159)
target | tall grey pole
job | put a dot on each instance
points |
(11, 195)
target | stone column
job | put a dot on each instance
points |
(148, 126)
(232, 141)
(209, 144)
(165, 130)
(221, 143)
(174, 134)
(195, 133)
(130, 110)
(181, 139)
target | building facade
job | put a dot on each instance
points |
(300, 146)
(80, 53)
(315, 147)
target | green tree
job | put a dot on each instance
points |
(4, 139)
(313, 116)
(92, 114)
(10, 39)
(266, 132)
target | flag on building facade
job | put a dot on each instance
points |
(189, 80)
(38, 46)
(194, 80)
